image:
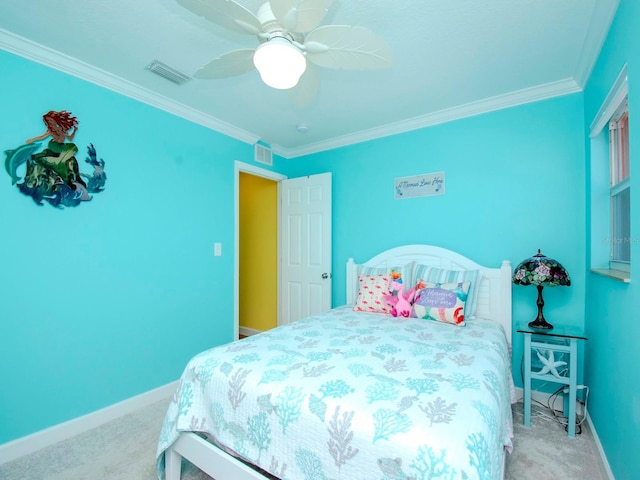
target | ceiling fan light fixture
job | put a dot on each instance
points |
(279, 63)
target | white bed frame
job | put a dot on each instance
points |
(494, 302)
(494, 296)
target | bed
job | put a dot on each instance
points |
(353, 394)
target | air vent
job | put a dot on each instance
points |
(263, 154)
(167, 72)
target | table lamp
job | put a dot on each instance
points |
(542, 272)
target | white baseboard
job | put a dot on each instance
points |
(543, 398)
(603, 457)
(44, 438)
(247, 332)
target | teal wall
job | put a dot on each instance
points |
(514, 183)
(109, 299)
(612, 353)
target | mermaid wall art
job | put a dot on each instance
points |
(52, 174)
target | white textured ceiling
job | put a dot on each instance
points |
(451, 58)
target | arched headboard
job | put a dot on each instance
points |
(494, 296)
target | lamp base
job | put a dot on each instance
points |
(541, 324)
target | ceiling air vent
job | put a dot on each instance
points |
(262, 154)
(167, 72)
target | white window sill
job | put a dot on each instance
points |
(615, 274)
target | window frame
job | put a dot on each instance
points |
(613, 110)
(620, 181)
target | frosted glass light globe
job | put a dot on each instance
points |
(279, 63)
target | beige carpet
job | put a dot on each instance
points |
(545, 452)
(124, 449)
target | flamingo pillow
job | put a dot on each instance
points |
(372, 290)
(374, 283)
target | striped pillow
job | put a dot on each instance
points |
(426, 273)
(404, 270)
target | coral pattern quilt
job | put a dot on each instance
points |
(353, 395)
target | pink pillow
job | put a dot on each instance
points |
(371, 292)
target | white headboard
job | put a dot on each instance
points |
(494, 296)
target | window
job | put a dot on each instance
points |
(620, 188)
(610, 184)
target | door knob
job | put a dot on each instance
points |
(325, 276)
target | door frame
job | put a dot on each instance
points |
(241, 167)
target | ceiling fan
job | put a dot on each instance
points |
(291, 42)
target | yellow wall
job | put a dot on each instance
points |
(258, 252)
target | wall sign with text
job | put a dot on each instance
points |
(419, 185)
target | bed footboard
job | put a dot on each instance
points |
(173, 464)
(208, 458)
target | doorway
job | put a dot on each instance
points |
(257, 184)
(302, 228)
(258, 266)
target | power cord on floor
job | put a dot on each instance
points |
(551, 401)
(563, 420)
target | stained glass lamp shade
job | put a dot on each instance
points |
(542, 272)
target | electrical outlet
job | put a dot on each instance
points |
(217, 249)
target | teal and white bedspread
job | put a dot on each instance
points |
(352, 395)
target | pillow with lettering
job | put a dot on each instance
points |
(426, 273)
(372, 290)
(443, 302)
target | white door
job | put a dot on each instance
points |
(305, 247)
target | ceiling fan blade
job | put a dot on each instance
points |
(307, 88)
(230, 64)
(226, 13)
(343, 46)
(300, 15)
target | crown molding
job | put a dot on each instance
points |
(51, 58)
(64, 63)
(600, 23)
(499, 102)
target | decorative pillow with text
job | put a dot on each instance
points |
(443, 302)
(426, 273)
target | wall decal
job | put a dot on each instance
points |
(419, 185)
(53, 174)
